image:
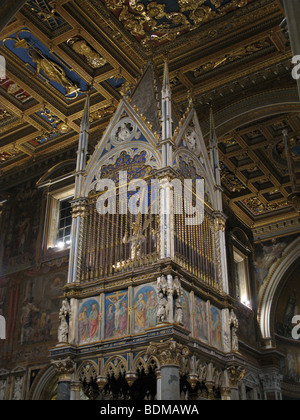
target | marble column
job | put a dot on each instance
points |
(271, 382)
(292, 9)
(65, 369)
(170, 355)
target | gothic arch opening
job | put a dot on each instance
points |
(268, 291)
(45, 385)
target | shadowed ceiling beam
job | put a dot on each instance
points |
(8, 9)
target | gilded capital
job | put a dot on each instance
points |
(169, 352)
(64, 368)
(235, 375)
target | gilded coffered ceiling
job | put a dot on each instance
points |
(231, 53)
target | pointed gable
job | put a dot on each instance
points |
(190, 147)
(127, 132)
(147, 97)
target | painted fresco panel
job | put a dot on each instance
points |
(116, 314)
(201, 320)
(89, 321)
(185, 301)
(215, 327)
(40, 305)
(145, 308)
(267, 253)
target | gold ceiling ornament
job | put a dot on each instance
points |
(53, 119)
(4, 114)
(126, 88)
(102, 112)
(140, 19)
(53, 72)
(19, 42)
(230, 181)
(63, 127)
(45, 13)
(258, 207)
(237, 54)
(58, 125)
(229, 140)
(91, 57)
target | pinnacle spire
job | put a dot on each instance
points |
(167, 131)
(213, 146)
(83, 137)
(85, 122)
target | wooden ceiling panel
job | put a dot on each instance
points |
(220, 52)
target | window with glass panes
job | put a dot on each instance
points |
(64, 223)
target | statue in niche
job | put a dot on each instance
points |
(162, 309)
(178, 318)
(136, 241)
(136, 237)
(64, 316)
(170, 293)
(162, 284)
(52, 71)
(234, 325)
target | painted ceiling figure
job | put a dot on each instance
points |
(52, 71)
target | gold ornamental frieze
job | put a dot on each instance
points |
(164, 24)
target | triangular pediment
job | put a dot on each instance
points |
(189, 137)
(127, 132)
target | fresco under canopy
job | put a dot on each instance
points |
(116, 314)
(89, 321)
(145, 307)
(201, 320)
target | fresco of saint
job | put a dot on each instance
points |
(215, 328)
(145, 308)
(88, 322)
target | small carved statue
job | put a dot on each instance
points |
(124, 132)
(162, 309)
(178, 287)
(170, 283)
(64, 315)
(178, 312)
(234, 325)
(162, 284)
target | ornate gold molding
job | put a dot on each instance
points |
(235, 374)
(64, 368)
(169, 352)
